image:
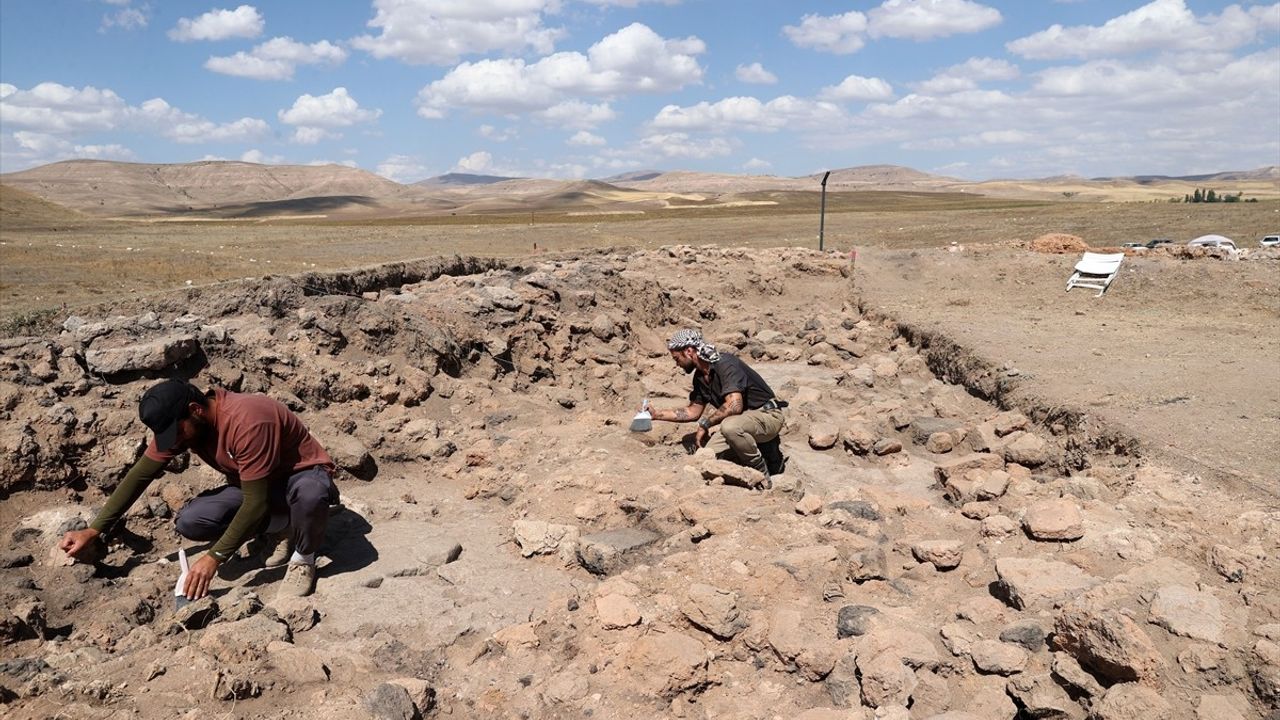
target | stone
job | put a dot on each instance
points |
(823, 436)
(1009, 422)
(1229, 562)
(714, 610)
(730, 473)
(842, 683)
(944, 554)
(982, 438)
(923, 428)
(858, 439)
(295, 665)
(958, 638)
(978, 510)
(886, 680)
(1027, 449)
(666, 664)
(616, 611)
(420, 692)
(992, 656)
(299, 613)
(350, 454)
(998, 526)
(854, 620)
(857, 508)
(908, 646)
(1057, 519)
(1030, 583)
(982, 610)
(1043, 698)
(1131, 701)
(1074, 678)
(810, 504)
(1188, 612)
(390, 702)
(605, 552)
(523, 635)
(957, 467)
(1221, 707)
(1108, 643)
(243, 640)
(814, 562)
(154, 355)
(869, 565)
(535, 537)
(886, 446)
(940, 443)
(1028, 635)
(1264, 669)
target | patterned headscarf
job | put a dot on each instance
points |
(693, 338)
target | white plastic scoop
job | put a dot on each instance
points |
(643, 421)
(179, 588)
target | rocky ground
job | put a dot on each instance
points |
(506, 548)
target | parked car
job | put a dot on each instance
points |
(1157, 243)
(1269, 241)
(1134, 245)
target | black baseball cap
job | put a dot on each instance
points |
(163, 405)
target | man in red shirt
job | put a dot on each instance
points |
(274, 467)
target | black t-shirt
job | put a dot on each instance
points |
(730, 375)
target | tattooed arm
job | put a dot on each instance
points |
(733, 405)
(684, 414)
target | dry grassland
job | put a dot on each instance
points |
(58, 263)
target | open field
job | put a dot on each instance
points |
(56, 260)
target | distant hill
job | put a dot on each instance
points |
(463, 179)
(1270, 172)
(100, 187)
(633, 176)
(20, 209)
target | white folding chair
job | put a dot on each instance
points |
(1096, 271)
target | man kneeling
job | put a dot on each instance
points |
(747, 413)
(274, 467)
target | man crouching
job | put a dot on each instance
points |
(274, 467)
(747, 413)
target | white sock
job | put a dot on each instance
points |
(300, 559)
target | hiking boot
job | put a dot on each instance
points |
(274, 549)
(299, 581)
(774, 460)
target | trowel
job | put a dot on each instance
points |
(179, 589)
(643, 421)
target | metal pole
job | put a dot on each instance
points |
(822, 219)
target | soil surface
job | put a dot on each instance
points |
(506, 548)
(1184, 354)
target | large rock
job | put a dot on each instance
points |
(243, 640)
(1034, 583)
(1108, 643)
(390, 702)
(295, 665)
(1264, 669)
(1043, 698)
(714, 610)
(153, 355)
(666, 664)
(886, 680)
(957, 467)
(823, 436)
(854, 620)
(605, 552)
(616, 611)
(944, 554)
(993, 656)
(1026, 449)
(350, 454)
(1188, 612)
(859, 439)
(536, 537)
(1130, 701)
(922, 428)
(730, 473)
(1056, 519)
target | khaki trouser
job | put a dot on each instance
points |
(736, 437)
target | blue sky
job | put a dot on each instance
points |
(593, 88)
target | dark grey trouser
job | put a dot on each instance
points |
(307, 494)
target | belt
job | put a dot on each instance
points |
(773, 404)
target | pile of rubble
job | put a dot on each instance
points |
(508, 549)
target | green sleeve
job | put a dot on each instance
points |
(126, 493)
(252, 509)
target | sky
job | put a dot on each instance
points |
(410, 89)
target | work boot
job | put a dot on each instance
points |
(774, 460)
(299, 581)
(273, 548)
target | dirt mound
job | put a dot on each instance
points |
(508, 549)
(1058, 244)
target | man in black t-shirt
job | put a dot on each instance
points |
(747, 413)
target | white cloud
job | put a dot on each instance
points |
(856, 87)
(276, 59)
(928, 19)
(476, 162)
(756, 164)
(402, 169)
(243, 22)
(576, 114)
(126, 18)
(584, 138)
(58, 109)
(748, 113)
(439, 32)
(632, 60)
(968, 74)
(185, 127)
(1164, 25)
(311, 135)
(840, 34)
(492, 133)
(257, 156)
(755, 74)
(23, 149)
(335, 110)
(680, 145)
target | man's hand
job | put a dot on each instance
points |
(700, 438)
(78, 543)
(199, 577)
